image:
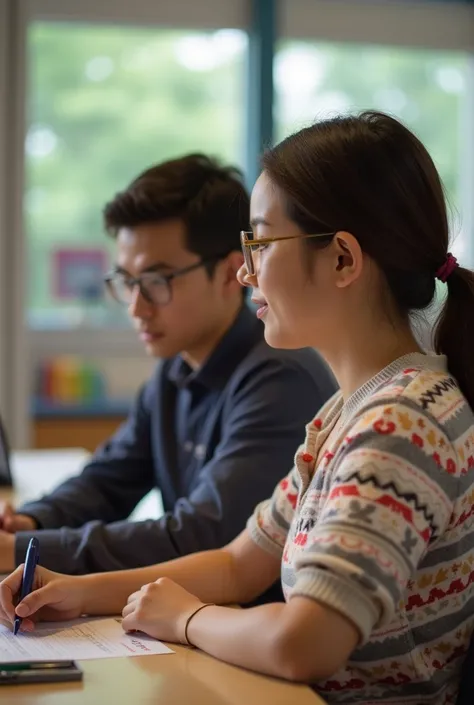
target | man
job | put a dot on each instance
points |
(217, 425)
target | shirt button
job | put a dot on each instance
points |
(200, 452)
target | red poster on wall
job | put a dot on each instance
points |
(78, 273)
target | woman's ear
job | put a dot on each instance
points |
(348, 258)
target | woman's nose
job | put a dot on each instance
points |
(244, 278)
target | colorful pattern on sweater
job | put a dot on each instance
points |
(381, 528)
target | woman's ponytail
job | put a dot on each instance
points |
(454, 331)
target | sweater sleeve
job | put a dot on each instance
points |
(390, 494)
(271, 520)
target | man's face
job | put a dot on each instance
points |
(188, 320)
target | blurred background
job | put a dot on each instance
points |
(91, 93)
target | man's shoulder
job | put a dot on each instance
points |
(303, 369)
(306, 358)
(304, 364)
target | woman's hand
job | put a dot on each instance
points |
(53, 597)
(160, 609)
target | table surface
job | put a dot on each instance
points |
(187, 676)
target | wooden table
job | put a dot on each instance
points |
(187, 677)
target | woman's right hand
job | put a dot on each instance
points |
(54, 597)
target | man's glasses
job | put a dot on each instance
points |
(251, 246)
(153, 286)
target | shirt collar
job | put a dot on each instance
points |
(245, 332)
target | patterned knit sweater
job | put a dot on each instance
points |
(381, 528)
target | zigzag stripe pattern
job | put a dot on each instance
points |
(408, 497)
(430, 396)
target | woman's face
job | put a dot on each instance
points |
(292, 286)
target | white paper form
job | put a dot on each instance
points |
(81, 639)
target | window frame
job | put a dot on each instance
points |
(432, 24)
(205, 14)
(14, 358)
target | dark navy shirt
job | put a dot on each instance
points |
(214, 441)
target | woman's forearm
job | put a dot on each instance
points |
(234, 574)
(301, 640)
(248, 638)
(209, 575)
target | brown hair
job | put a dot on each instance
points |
(369, 175)
(209, 198)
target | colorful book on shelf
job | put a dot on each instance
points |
(70, 380)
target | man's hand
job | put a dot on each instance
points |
(12, 522)
(7, 552)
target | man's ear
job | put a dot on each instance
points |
(228, 269)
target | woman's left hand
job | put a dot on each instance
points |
(160, 609)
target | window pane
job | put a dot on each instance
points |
(426, 89)
(104, 103)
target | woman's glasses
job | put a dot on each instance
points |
(252, 245)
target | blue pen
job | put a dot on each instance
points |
(31, 561)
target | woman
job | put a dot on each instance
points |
(371, 529)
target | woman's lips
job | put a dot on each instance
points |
(262, 306)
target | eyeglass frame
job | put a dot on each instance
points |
(167, 279)
(248, 244)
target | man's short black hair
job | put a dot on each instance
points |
(210, 199)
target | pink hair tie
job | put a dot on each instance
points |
(447, 268)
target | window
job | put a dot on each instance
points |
(104, 103)
(427, 89)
